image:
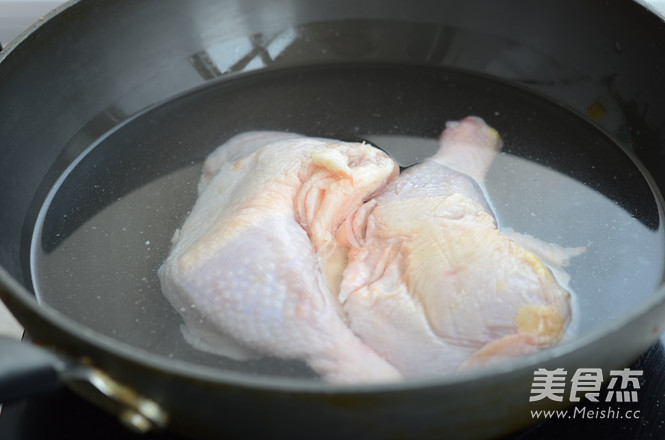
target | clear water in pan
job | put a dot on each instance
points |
(106, 227)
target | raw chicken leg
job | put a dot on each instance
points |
(251, 270)
(431, 284)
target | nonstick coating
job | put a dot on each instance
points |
(107, 225)
(96, 64)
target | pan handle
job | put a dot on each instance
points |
(26, 370)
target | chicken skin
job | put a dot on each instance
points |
(251, 268)
(431, 283)
(319, 250)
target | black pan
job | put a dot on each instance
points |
(108, 108)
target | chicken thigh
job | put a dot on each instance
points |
(253, 269)
(431, 284)
(314, 249)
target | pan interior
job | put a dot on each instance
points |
(106, 226)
